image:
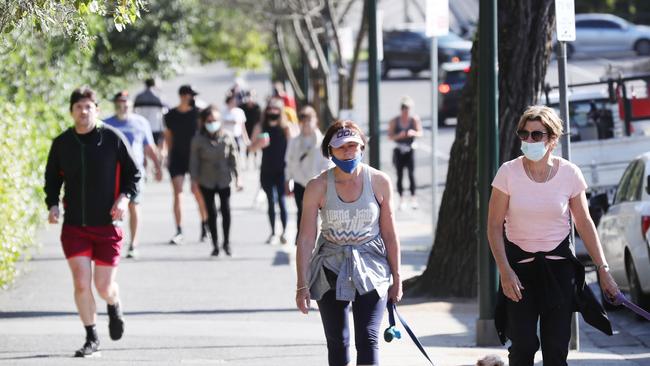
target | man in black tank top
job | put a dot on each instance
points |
(404, 129)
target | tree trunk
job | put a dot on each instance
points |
(525, 30)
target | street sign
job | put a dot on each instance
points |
(437, 18)
(565, 20)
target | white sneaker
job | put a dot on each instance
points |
(402, 204)
(414, 203)
(283, 239)
(273, 239)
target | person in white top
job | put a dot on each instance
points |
(234, 120)
(303, 158)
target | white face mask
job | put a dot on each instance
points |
(533, 151)
(213, 127)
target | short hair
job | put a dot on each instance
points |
(334, 128)
(150, 82)
(83, 92)
(545, 115)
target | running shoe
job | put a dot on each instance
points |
(215, 252)
(176, 239)
(272, 239)
(414, 203)
(226, 249)
(283, 239)
(115, 321)
(132, 253)
(89, 349)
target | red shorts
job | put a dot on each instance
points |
(101, 243)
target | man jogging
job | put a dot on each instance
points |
(94, 163)
(137, 131)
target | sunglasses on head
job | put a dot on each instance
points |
(535, 135)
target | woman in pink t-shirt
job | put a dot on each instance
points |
(535, 196)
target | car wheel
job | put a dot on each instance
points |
(636, 292)
(642, 47)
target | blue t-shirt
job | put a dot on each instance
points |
(138, 131)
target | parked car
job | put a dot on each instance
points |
(606, 33)
(452, 78)
(410, 49)
(624, 229)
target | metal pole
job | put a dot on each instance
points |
(574, 343)
(434, 134)
(373, 84)
(488, 160)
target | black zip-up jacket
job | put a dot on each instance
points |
(96, 168)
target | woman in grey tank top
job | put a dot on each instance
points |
(357, 252)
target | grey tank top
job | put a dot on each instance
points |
(350, 222)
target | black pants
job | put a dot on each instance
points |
(367, 310)
(554, 324)
(401, 161)
(224, 199)
(273, 186)
(298, 194)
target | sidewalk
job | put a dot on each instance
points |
(183, 307)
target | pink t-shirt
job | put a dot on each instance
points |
(537, 219)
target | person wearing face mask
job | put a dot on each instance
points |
(271, 136)
(214, 162)
(303, 158)
(357, 252)
(535, 196)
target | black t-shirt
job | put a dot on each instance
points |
(183, 127)
(253, 114)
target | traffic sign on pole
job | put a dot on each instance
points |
(565, 20)
(437, 18)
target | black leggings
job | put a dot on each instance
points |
(224, 199)
(368, 311)
(404, 160)
(554, 324)
(298, 193)
(273, 184)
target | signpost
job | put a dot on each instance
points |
(566, 32)
(437, 24)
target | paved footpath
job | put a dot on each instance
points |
(183, 307)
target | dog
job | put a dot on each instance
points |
(490, 360)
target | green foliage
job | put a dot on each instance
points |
(231, 36)
(64, 16)
(34, 80)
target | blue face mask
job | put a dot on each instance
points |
(533, 151)
(347, 166)
(213, 127)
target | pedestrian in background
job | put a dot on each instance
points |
(214, 162)
(271, 136)
(93, 162)
(253, 114)
(357, 252)
(234, 122)
(137, 131)
(149, 105)
(536, 195)
(404, 129)
(181, 123)
(303, 158)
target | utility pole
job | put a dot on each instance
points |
(488, 162)
(373, 84)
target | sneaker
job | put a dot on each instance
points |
(215, 252)
(115, 321)
(89, 349)
(226, 249)
(272, 239)
(414, 203)
(176, 239)
(402, 204)
(132, 253)
(283, 239)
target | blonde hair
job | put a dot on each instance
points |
(546, 116)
